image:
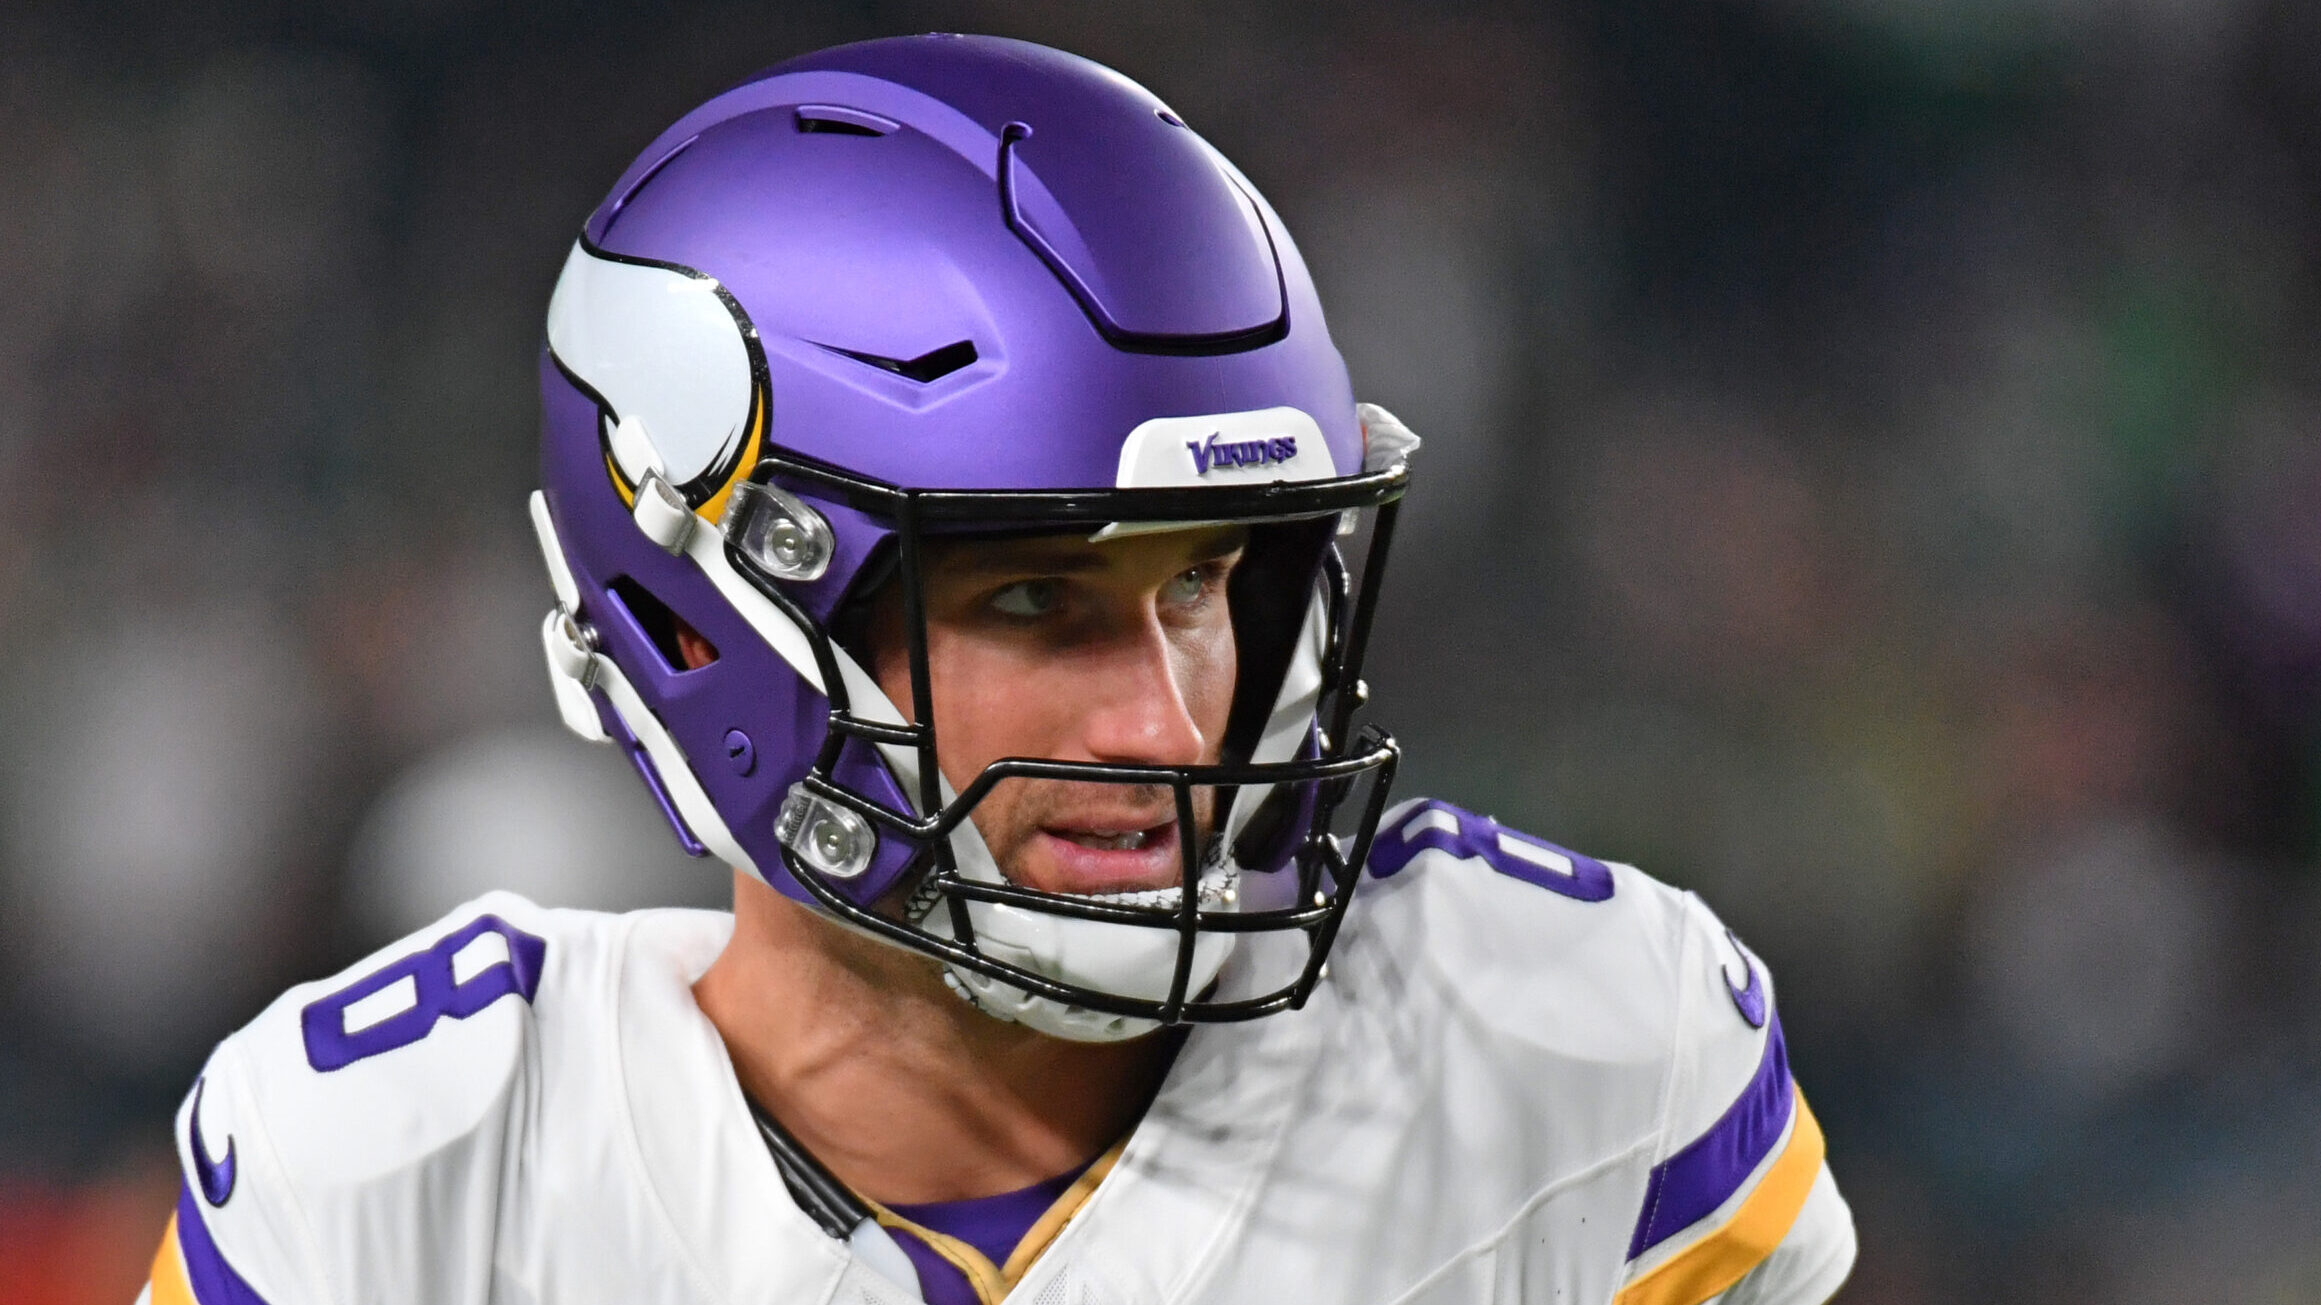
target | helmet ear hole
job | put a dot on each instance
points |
(681, 647)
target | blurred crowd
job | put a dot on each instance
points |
(1873, 479)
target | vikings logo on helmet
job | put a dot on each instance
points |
(674, 367)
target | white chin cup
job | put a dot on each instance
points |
(1124, 959)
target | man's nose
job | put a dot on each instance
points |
(1137, 713)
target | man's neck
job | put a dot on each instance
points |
(904, 1091)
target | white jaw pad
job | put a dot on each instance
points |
(1293, 714)
(1117, 958)
(1123, 959)
(665, 354)
(1385, 440)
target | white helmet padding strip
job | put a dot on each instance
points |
(664, 353)
(552, 551)
(1268, 445)
(864, 696)
(707, 549)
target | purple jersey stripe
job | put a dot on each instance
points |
(993, 1225)
(1692, 1183)
(214, 1281)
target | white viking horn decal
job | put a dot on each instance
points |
(668, 358)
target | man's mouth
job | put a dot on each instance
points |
(1126, 841)
(1105, 855)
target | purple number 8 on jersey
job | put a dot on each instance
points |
(384, 1022)
(1518, 856)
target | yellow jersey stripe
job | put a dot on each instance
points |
(170, 1285)
(1719, 1259)
(993, 1282)
(1037, 1237)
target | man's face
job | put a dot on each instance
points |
(1055, 647)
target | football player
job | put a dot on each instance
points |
(958, 514)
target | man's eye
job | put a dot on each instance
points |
(1028, 598)
(1189, 586)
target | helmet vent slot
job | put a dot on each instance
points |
(931, 366)
(663, 629)
(838, 120)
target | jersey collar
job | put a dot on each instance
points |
(1195, 1166)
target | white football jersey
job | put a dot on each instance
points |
(1529, 1076)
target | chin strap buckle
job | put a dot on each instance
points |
(572, 670)
(660, 512)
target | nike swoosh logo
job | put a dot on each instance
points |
(215, 1176)
(1749, 999)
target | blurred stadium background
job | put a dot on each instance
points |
(1872, 478)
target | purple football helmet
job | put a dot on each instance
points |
(958, 286)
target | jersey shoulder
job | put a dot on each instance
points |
(1602, 965)
(416, 1045)
(1538, 937)
(373, 1117)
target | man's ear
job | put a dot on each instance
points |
(697, 651)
